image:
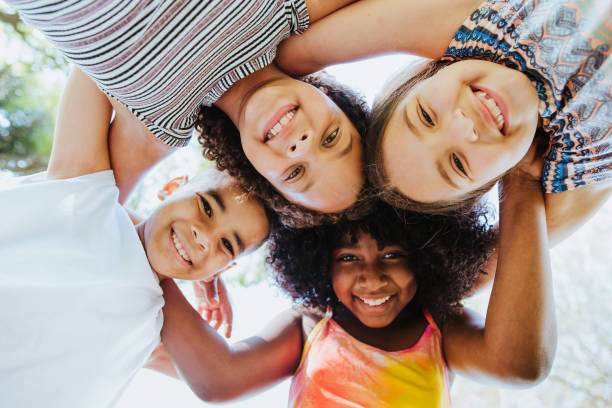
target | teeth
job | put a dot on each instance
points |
(282, 122)
(493, 108)
(179, 248)
(375, 302)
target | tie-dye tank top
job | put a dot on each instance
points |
(564, 47)
(338, 370)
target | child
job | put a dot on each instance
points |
(81, 302)
(160, 60)
(394, 332)
(528, 72)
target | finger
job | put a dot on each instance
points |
(198, 291)
(226, 312)
(210, 293)
(228, 330)
(207, 315)
(216, 319)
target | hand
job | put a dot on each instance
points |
(213, 304)
(531, 166)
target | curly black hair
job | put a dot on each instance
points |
(446, 253)
(221, 142)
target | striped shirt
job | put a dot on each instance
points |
(163, 58)
(564, 47)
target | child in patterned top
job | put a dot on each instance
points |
(394, 331)
(519, 79)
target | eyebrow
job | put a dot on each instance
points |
(214, 194)
(445, 176)
(347, 245)
(411, 125)
(239, 242)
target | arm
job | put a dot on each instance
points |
(317, 9)
(160, 360)
(569, 210)
(516, 343)
(375, 27)
(216, 371)
(133, 149)
(80, 144)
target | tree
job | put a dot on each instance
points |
(31, 77)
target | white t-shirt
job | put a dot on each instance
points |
(80, 308)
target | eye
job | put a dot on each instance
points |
(294, 173)
(458, 164)
(393, 255)
(347, 258)
(206, 206)
(425, 116)
(330, 138)
(228, 245)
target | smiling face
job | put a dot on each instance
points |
(303, 144)
(374, 284)
(201, 229)
(458, 130)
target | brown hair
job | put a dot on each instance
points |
(221, 142)
(381, 112)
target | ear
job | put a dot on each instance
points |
(171, 186)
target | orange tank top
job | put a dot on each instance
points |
(338, 370)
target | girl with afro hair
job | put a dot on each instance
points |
(377, 321)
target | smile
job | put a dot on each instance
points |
(179, 248)
(494, 107)
(277, 126)
(374, 301)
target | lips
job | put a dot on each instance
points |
(374, 303)
(493, 107)
(278, 122)
(178, 246)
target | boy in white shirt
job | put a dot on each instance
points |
(80, 302)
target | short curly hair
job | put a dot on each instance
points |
(447, 255)
(221, 142)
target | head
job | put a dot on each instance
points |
(377, 266)
(442, 137)
(297, 145)
(203, 227)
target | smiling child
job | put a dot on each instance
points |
(377, 320)
(81, 302)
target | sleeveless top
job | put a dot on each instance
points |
(337, 370)
(564, 48)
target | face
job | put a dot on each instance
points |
(300, 141)
(458, 130)
(196, 234)
(375, 285)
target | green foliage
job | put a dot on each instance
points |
(31, 77)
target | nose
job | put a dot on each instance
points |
(200, 238)
(300, 144)
(371, 279)
(462, 126)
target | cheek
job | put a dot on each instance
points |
(341, 285)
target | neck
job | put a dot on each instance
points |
(232, 102)
(402, 333)
(140, 230)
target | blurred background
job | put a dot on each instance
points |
(32, 74)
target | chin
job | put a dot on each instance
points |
(376, 323)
